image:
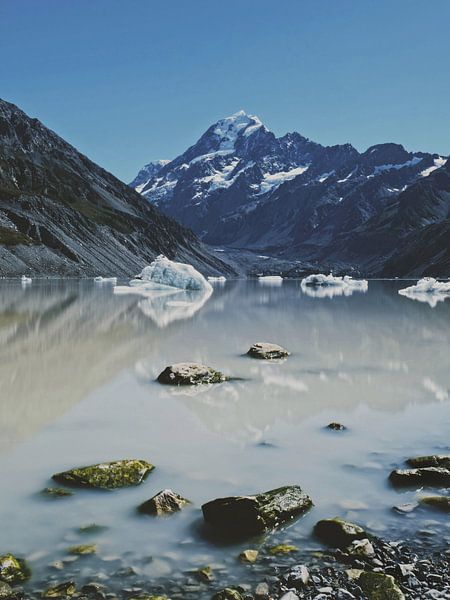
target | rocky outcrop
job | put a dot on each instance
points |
(13, 570)
(267, 351)
(111, 475)
(190, 374)
(246, 515)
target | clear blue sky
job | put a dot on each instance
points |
(129, 81)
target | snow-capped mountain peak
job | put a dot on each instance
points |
(228, 129)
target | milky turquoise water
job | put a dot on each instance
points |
(77, 375)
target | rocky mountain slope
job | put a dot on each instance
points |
(240, 186)
(62, 214)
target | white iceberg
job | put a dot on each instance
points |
(429, 290)
(163, 273)
(274, 280)
(25, 279)
(328, 286)
(220, 279)
(100, 279)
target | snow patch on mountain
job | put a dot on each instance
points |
(438, 162)
(273, 180)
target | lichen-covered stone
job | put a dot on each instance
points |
(204, 574)
(267, 351)
(12, 569)
(163, 503)
(282, 549)
(248, 556)
(110, 475)
(379, 586)
(429, 476)
(246, 515)
(188, 373)
(441, 503)
(83, 549)
(434, 460)
(53, 492)
(63, 590)
(227, 594)
(6, 590)
(338, 533)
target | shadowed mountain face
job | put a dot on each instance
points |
(242, 187)
(62, 214)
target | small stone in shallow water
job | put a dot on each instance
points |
(262, 591)
(337, 532)
(336, 426)
(248, 556)
(56, 492)
(282, 549)
(12, 569)
(227, 594)
(267, 351)
(92, 528)
(190, 374)
(82, 550)
(163, 503)
(204, 574)
(378, 586)
(441, 503)
(62, 590)
(110, 475)
(431, 476)
(246, 515)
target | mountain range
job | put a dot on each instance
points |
(61, 214)
(384, 211)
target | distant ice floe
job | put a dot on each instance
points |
(329, 286)
(100, 279)
(220, 279)
(428, 290)
(273, 280)
(24, 279)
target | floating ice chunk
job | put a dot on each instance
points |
(25, 279)
(220, 279)
(328, 286)
(164, 273)
(274, 280)
(429, 290)
(100, 279)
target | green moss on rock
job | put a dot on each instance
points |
(63, 590)
(227, 594)
(13, 570)
(379, 586)
(53, 492)
(110, 475)
(441, 503)
(282, 549)
(82, 550)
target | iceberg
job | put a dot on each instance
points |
(328, 286)
(100, 279)
(24, 279)
(429, 290)
(274, 280)
(163, 273)
(220, 279)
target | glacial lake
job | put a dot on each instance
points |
(77, 373)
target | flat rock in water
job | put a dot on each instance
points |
(431, 476)
(247, 515)
(338, 533)
(378, 586)
(163, 503)
(441, 503)
(188, 373)
(267, 351)
(12, 569)
(336, 426)
(435, 460)
(110, 475)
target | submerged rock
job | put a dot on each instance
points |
(92, 528)
(282, 549)
(60, 591)
(267, 351)
(248, 556)
(244, 515)
(435, 460)
(441, 503)
(188, 373)
(12, 569)
(53, 492)
(432, 476)
(378, 586)
(338, 533)
(163, 503)
(83, 549)
(110, 475)
(204, 574)
(228, 594)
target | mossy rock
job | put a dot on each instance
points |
(204, 574)
(379, 586)
(109, 475)
(434, 460)
(91, 528)
(267, 351)
(282, 549)
(426, 476)
(63, 590)
(249, 515)
(441, 503)
(190, 374)
(82, 550)
(228, 594)
(13, 570)
(53, 492)
(248, 556)
(338, 533)
(165, 502)
(6, 590)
